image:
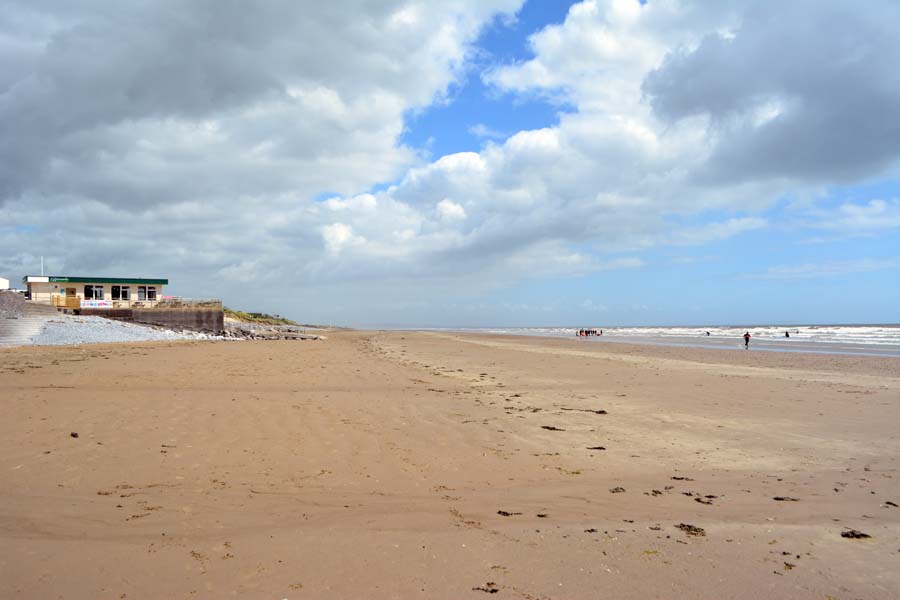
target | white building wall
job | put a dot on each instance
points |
(43, 291)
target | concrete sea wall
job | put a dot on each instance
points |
(190, 318)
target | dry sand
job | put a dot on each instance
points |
(420, 465)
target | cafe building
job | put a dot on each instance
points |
(94, 292)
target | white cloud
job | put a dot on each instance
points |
(874, 215)
(828, 269)
(338, 236)
(448, 210)
(717, 230)
(365, 203)
(850, 220)
(592, 306)
(483, 131)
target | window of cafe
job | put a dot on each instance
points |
(93, 292)
(146, 292)
(121, 292)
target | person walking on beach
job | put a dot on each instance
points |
(747, 340)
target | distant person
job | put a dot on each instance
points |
(787, 334)
(707, 333)
(746, 340)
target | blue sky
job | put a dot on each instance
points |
(447, 126)
(476, 163)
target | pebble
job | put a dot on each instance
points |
(69, 330)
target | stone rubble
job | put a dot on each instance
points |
(67, 330)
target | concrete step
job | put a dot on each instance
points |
(39, 309)
(19, 331)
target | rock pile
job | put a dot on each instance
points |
(12, 304)
(254, 331)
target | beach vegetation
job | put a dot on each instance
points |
(255, 317)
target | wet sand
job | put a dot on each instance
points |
(436, 465)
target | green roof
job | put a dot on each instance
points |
(135, 280)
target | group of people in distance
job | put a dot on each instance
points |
(586, 332)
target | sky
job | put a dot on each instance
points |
(398, 163)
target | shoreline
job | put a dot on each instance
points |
(889, 350)
(888, 366)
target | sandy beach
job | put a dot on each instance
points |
(441, 465)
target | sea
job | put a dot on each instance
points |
(865, 340)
